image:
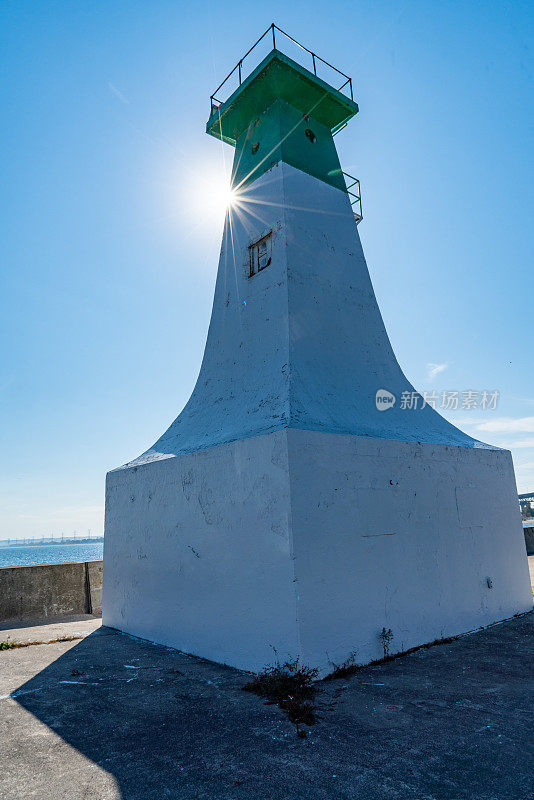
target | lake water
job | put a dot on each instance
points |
(49, 554)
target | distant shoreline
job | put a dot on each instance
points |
(51, 543)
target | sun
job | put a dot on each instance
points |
(221, 195)
(214, 196)
(224, 196)
(207, 195)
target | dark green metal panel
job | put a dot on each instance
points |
(279, 77)
(279, 134)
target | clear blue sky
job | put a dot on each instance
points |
(110, 239)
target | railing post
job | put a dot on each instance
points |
(273, 28)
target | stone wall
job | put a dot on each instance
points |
(50, 590)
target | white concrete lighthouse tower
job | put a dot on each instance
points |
(285, 509)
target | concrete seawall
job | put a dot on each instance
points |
(50, 590)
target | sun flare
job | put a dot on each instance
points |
(214, 196)
(224, 197)
(206, 195)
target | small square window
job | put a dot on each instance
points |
(260, 254)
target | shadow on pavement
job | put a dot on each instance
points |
(451, 722)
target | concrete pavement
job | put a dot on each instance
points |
(110, 716)
(35, 631)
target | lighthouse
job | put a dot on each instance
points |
(296, 508)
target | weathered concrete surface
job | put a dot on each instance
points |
(36, 631)
(311, 544)
(529, 539)
(115, 717)
(283, 508)
(95, 571)
(50, 590)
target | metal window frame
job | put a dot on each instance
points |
(254, 254)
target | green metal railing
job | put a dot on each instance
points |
(215, 102)
(354, 193)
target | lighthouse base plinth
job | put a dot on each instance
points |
(313, 545)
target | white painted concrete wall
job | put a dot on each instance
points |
(197, 552)
(258, 521)
(403, 536)
(302, 343)
(299, 543)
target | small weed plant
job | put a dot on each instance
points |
(386, 636)
(345, 670)
(291, 687)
